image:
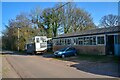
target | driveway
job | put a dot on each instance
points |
(43, 66)
(108, 68)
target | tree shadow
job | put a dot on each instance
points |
(14, 53)
(47, 55)
(95, 67)
(107, 69)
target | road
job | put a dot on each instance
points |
(37, 66)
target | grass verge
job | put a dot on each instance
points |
(99, 58)
(93, 58)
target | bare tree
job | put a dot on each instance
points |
(10, 35)
(46, 22)
(37, 20)
(109, 21)
(76, 19)
(46, 16)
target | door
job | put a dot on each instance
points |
(110, 44)
(69, 51)
(37, 44)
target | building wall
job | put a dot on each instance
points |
(117, 44)
(97, 50)
(93, 44)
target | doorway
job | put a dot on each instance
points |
(110, 44)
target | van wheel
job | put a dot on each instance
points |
(63, 56)
(34, 53)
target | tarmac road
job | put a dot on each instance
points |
(37, 66)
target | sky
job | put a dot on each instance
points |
(96, 9)
(0, 18)
(59, 0)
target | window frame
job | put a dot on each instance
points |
(91, 40)
(37, 40)
(97, 39)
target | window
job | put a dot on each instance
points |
(69, 41)
(54, 42)
(62, 41)
(94, 40)
(74, 41)
(86, 40)
(37, 40)
(80, 40)
(77, 41)
(43, 39)
(90, 40)
(43, 45)
(57, 42)
(70, 49)
(65, 41)
(117, 39)
(100, 40)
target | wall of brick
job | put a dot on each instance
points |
(97, 50)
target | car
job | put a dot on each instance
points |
(64, 52)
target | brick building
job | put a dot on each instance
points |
(101, 41)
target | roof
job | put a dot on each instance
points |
(92, 32)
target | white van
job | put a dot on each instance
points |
(37, 45)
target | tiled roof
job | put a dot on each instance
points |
(92, 32)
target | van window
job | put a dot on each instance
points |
(37, 40)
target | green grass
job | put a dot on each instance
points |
(50, 52)
(93, 58)
(21, 52)
(99, 58)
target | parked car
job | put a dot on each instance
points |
(68, 51)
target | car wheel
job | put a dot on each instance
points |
(63, 56)
(55, 56)
(75, 54)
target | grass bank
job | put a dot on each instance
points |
(99, 58)
(93, 58)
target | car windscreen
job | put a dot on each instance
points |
(63, 49)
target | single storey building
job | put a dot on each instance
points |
(101, 41)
